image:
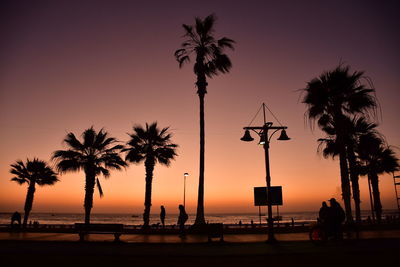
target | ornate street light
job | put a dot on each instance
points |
(262, 132)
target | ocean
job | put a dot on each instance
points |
(136, 219)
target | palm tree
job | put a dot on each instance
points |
(354, 128)
(210, 61)
(95, 155)
(377, 158)
(150, 145)
(330, 97)
(32, 172)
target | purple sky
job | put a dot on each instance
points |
(67, 65)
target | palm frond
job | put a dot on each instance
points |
(183, 60)
(73, 142)
(208, 24)
(19, 180)
(99, 187)
(226, 42)
(89, 136)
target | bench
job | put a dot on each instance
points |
(99, 228)
(215, 230)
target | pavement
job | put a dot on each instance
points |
(374, 248)
(173, 238)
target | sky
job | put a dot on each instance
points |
(68, 65)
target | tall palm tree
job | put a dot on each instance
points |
(33, 172)
(210, 61)
(95, 155)
(354, 128)
(377, 158)
(332, 96)
(150, 145)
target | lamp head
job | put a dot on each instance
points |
(283, 136)
(186, 174)
(262, 139)
(247, 137)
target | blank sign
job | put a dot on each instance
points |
(260, 196)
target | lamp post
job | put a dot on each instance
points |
(265, 139)
(184, 188)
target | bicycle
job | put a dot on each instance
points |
(319, 233)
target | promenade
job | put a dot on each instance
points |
(174, 238)
(374, 248)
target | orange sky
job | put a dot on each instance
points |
(68, 66)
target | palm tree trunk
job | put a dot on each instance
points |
(344, 169)
(28, 202)
(371, 201)
(354, 183)
(202, 90)
(149, 164)
(345, 182)
(200, 220)
(89, 190)
(377, 198)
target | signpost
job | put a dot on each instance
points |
(261, 197)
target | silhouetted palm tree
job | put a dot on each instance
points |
(95, 155)
(210, 61)
(150, 145)
(354, 128)
(32, 172)
(332, 96)
(376, 158)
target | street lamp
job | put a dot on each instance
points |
(262, 132)
(184, 187)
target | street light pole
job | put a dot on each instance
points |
(270, 220)
(184, 188)
(262, 131)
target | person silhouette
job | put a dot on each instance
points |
(16, 218)
(162, 216)
(323, 213)
(183, 217)
(335, 218)
(323, 219)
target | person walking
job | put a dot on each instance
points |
(183, 217)
(162, 216)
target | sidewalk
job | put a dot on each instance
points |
(157, 238)
(40, 252)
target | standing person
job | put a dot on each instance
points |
(16, 217)
(336, 218)
(323, 213)
(323, 219)
(162, 216)
(183, 217)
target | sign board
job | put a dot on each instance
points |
(260, 196)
